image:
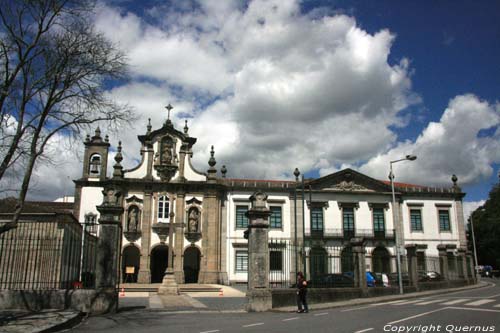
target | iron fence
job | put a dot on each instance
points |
(47, 255)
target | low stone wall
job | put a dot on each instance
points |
(287, 297)
(83, 300)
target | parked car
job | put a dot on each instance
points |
(370, 280)
(331, 281)
(381, 279)
(429, 276)
(393, 279)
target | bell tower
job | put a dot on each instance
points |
(95, 158)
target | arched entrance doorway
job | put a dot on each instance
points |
(381, 260)
(318, 262)
(130, 263)
(159, 261)
(191, 264)
(347, 260)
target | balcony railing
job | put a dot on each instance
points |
(348, 234)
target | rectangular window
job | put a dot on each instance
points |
(348, 218)
(378, 219)
(241, 219)
(275, 218)
(241, 261)
(160, 209)
(317, 219)
(275, 260)
(416, 220)
(444, 220)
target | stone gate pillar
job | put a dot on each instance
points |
(411, 254)
(258, 293)
(463, 262)
(358, 249)
(443, 261)
(108, 251)
(472, 269)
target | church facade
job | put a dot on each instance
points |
(193, 222)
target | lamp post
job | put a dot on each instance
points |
(395, 219)
(296, 173)
(474, 243)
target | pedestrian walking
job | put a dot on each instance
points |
(301, 294)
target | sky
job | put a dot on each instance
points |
(318, 85)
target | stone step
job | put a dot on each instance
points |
(183, 288)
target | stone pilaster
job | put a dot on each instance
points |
(179, 238)
(443, 261)
(358, 249)
(209, 272)
(459, 211)
(463, 263)
(258, 293)
(411, 254)
(108, 251)
(472, 269)
(144, 269)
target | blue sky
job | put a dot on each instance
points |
(318, 85)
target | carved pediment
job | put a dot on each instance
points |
(349, 180)
(133, 199)
(194, 201)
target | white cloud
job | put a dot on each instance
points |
(470, 206)
(450, 146)
(273, 89)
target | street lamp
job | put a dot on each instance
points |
(395, 219)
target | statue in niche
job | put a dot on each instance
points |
(166, 151)
(193, 220)
(133, 219)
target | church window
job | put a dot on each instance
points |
(241, 261)
(241, 219)
(95, 165)
(163, 208)
(275, 218)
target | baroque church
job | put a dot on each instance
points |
(193, 222)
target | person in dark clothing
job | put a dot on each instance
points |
(301, 294)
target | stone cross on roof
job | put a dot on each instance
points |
(169, 108)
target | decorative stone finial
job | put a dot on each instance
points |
(454, 179)
(118, 169)
(149, 126)
(106, 138)
(296, 173)
(212, 171)
(223, 171)
(186, 128)
(87, 138)
(97, 132)
(212, 161)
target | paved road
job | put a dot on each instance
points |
(466, 311)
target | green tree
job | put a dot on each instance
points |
(486, 220)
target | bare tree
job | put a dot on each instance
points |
(53, 70)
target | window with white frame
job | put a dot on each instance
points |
(163, 208)
(275, 218)
(241, 261)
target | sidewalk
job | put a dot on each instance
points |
(30, 322)
(374, 300)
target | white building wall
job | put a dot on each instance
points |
(89, 199)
